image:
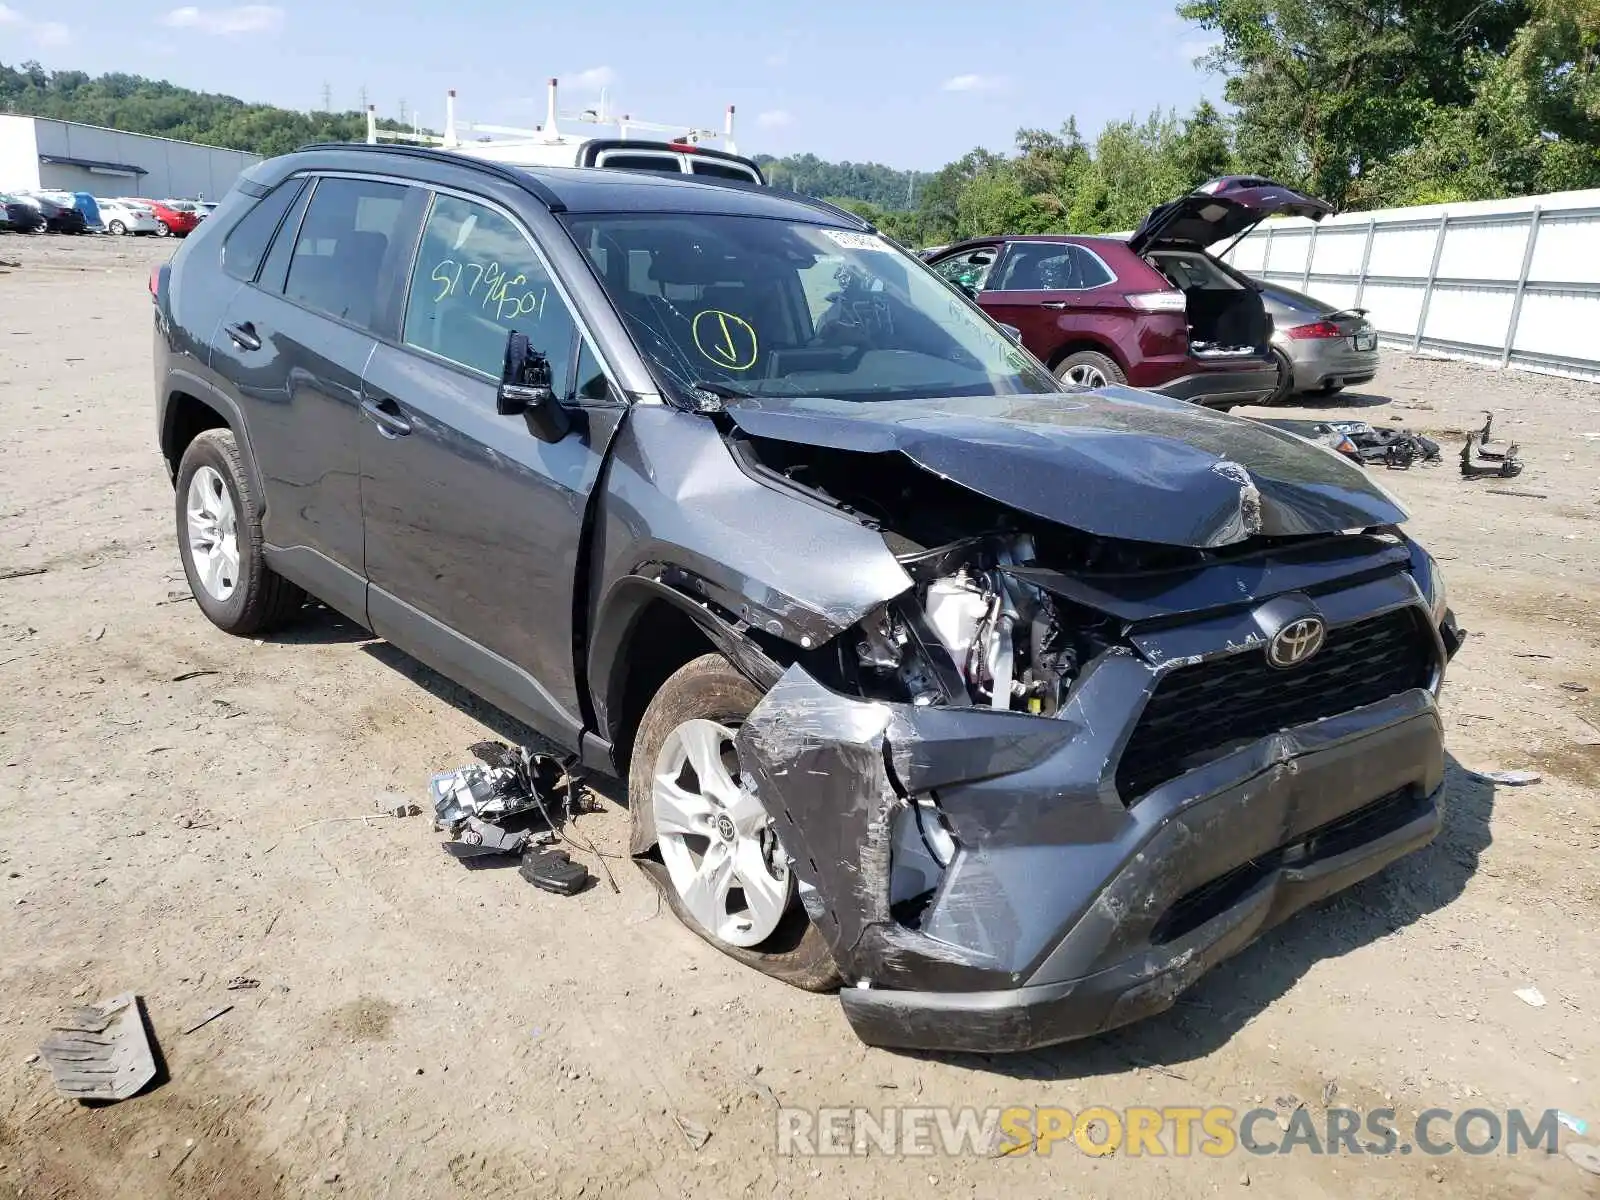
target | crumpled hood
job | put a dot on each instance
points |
(1114, 462)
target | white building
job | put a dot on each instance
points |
(38, 153)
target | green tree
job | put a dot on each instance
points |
(1328, 89)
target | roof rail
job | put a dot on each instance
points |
(829, 207)
(514, 175)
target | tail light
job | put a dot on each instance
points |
(1314, 331)
(1170, 302)
(155, 283)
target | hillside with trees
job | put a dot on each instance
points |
(1368, 103)
(141, 105)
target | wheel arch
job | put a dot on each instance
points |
(189, 408)
(647, 630)
(1082, 341)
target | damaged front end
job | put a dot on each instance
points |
(1040, 792)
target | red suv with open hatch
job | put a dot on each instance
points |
(1155, 310)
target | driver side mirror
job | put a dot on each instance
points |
(525, 388)
(1012, 331)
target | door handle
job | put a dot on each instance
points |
(244, 336)
(386, 415)
(1055, 304)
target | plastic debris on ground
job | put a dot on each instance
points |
(1577, 1124)
(1510, 778)
(101, 1052)
(511, 802)
(1530, 996)
(1585, 1156)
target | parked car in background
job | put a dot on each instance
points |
(127, 217)
(58, 217)
(1155, 311)
(172, 221)
(1013, 712)
(1319, 348)
(18, 216)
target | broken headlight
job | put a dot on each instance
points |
(973, 633)
(922, 847)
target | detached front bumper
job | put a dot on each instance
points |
(1066, 911)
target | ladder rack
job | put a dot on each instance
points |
(550, 133)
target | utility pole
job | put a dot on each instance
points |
(327, 97)
(402, 110)
(363, 97)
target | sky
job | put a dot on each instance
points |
(914, 85)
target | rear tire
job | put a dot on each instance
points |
(239, 593)
(1090, 368)
(1285, 377)
(117, 228)
(703, 691)
(163, 229)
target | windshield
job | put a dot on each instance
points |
(753, 306)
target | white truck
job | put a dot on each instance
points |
(682, 149)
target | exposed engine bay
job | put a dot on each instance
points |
(978, 628)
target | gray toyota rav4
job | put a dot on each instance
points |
(1004, 710)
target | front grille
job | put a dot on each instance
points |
(1199, 712)
(1214, 897)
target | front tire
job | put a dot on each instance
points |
(1090, 368)
(219, 540)
(705, 840)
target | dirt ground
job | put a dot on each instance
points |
(179, 808)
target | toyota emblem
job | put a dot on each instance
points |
(1296, 642)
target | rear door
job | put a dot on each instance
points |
(1054, 292)
(473, 525)
(292, 345)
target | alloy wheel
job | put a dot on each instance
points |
(717, 842)
(1084, 375)
(213, 525)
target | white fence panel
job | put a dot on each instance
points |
(1514, 282)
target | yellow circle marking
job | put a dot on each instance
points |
(725, 339)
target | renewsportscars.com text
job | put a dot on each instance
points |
(1158, 1132)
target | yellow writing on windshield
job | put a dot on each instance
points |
(727, 340)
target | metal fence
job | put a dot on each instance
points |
(1508, 282)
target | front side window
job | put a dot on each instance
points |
(476, 280)
(341, 247)
(764, 307)
(969, 271)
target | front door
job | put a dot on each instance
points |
(473, 525)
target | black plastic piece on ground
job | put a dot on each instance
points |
(554, 871)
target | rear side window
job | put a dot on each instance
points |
(248, 240)
(1050, 267)
(341, 246)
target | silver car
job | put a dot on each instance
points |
(1319, 348)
